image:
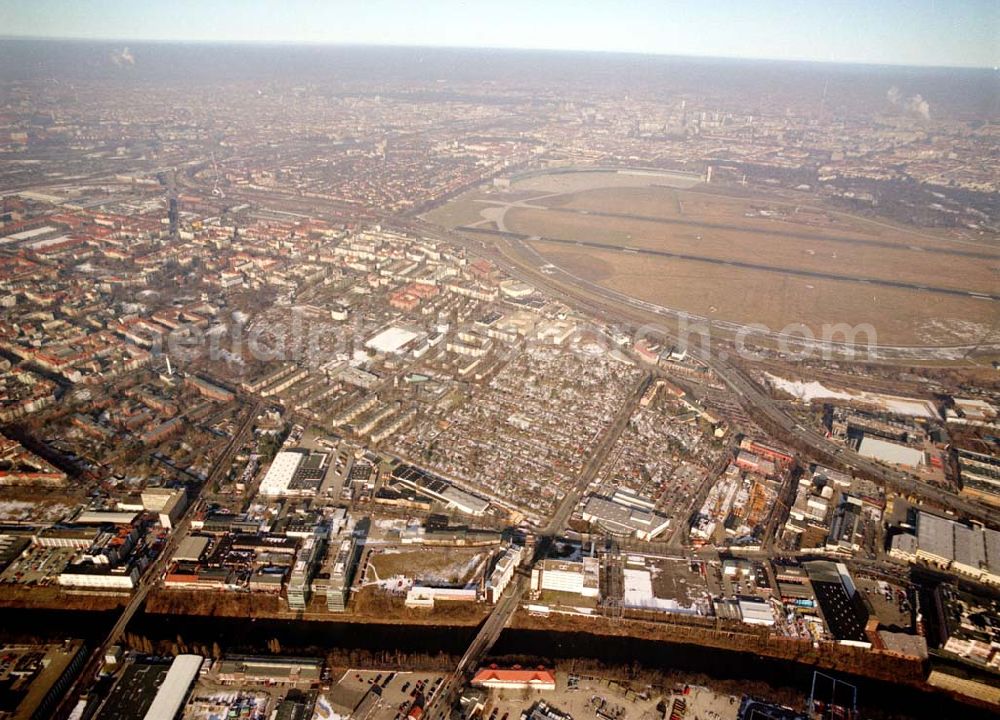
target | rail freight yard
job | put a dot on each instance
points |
(674, 241)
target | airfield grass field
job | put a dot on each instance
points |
(752, 296)
(898, 263)
(802, 238)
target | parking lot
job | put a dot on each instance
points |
(889, 601)
(38, 566)
(399, 691)
(704, 704)
(220, 705)
(592, 698)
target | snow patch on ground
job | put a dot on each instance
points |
(951, 330)
(324, 710)
(809, 391)
(445, 576)
(21, 510)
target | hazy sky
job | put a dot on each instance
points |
(911, 32)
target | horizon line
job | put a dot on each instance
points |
(420, 46)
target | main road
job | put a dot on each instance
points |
(439, 705)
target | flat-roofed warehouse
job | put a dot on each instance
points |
(38, 233)
(192, 548)
(970, 550)
(296, 473)
(889, 452)
(134, 690)
(440, 489)
(935, 538)
(34, 677)
(392, 340)
(174, 690)
(621, 519)
(105, 517)
(11, 548)
(282, 671)
(755, 611)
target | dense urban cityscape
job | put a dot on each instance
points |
(402, 383)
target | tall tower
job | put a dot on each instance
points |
(174, 218)
(173, 215)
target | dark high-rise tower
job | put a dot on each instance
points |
(173, 217)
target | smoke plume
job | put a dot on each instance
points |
(914, 106)
(122, 58)
(918, 107)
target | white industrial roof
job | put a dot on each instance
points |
(756, 612)
(279, 475)
(172, 693)
(38, 244)
(100, 517)
(465, 502)
(391, 340)
(646, 525)
(974, 408)
(28, 234)
(639, 593)
(890, 452)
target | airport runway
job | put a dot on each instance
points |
(779, 233)
(813, 274)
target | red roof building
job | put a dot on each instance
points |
(515, 679)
